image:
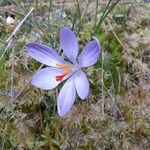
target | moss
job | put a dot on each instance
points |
(113, 63)
(3, 73)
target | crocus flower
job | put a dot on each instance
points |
(60, 70)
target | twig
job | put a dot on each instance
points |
(12, 72)
(4, 140)
(85, 10)
(102, 82)
(114, 33)
(9, 43)
(96, 12)
(25, 85)
(18, 27)
(49, 14)
(119, 77)
(62, 9)
(9, 40)
(22, 90)
(112, 95)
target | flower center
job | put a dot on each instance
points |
(68, 69)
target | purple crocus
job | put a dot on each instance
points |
(60, 70)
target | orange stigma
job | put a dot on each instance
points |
(59, 78)
(68, 69)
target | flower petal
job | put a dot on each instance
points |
(81, 84)
(66, 97)
(43, 54)
(90, 54)
(69, 43)
(46, 78)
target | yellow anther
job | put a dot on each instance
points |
(68, 69)
(64, 66)
(66, 72)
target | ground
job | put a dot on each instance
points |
(116, 114)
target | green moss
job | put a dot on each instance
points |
(113, 62)
(3, 73)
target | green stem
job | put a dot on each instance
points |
(79, 16)
(95, 20)
(107, 10)
(49, 13)
(100, 21)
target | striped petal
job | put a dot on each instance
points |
(43, 54)
(46, 78)
(66, 97)
(90, 54)
(69, 43)
(81, 84)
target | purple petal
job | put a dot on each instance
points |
(69, 43)
(43, 54)
(90, 54)
(46, 78)
(81, 84)
(66, 97)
